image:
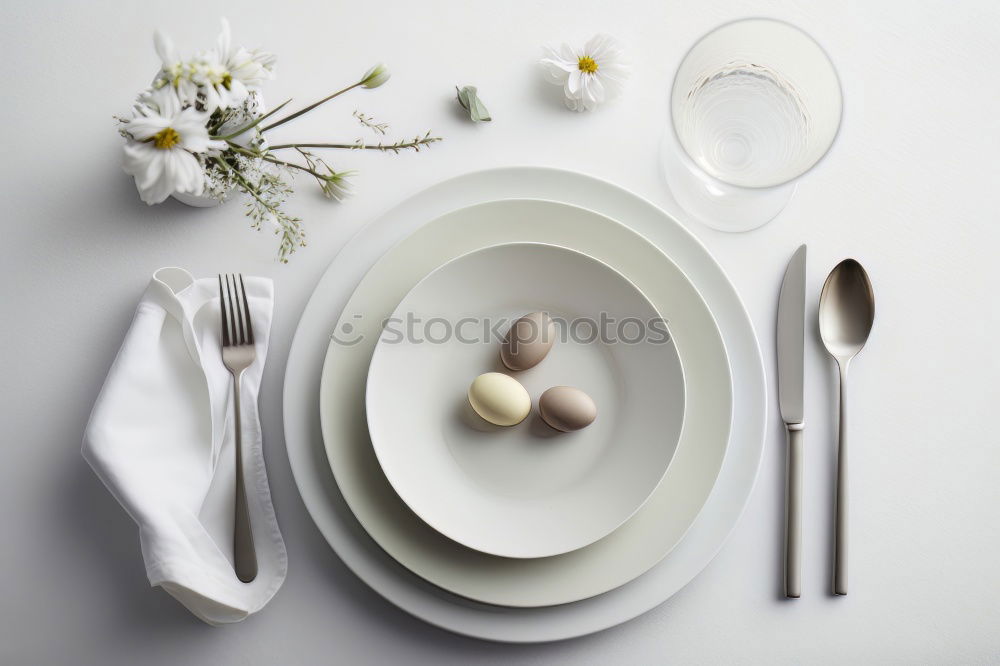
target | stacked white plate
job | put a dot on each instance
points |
(512, 534)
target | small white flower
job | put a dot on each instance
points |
(164, 138)
(174, 72)
(337, 186)
(589, 76)
(217, 85)
(248, 68)
(375, 76)
(221, 78)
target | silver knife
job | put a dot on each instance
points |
(791, 347)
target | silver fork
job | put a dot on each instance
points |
(237, 354)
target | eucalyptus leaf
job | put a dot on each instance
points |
(469, 99)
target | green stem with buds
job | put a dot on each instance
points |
(359, 146)
(290, 165)
(272, 160)
(293, 165)
(310, 107)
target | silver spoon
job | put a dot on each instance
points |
(846, 314)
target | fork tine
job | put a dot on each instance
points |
(237, 326)
(229, 311)
(246, 309)
(238, 306)
(222, 308)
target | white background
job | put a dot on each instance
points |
(911, 189)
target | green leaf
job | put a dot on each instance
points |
(469, 99)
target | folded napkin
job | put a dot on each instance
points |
(161, 439)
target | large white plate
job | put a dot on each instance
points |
(524, 491)
(385, 575)
(635, 546)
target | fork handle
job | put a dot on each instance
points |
(244, 555)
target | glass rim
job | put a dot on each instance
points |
(746, 19)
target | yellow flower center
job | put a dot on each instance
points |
(166, 138)
(227, 80)
(587, 64)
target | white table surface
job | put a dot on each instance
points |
(911, 188)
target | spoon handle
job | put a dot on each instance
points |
(840, 505)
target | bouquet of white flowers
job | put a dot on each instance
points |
(200, 130)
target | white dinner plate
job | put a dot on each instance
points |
(626, 553)
(377, 568)
(526, 490)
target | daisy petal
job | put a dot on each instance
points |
(573, 83)
(554, 74)
(595, 90)
(164, 48)
(143, 128)
(596, 46)
(568, 54)
(224, 41)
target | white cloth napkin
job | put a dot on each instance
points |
(161, 439)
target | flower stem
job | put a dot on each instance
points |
(256, 122)
(273, 160)
(394, 147)
(293, 165)
(309, 108)
(351, 146)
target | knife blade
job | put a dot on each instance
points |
(791, 338)
(791, 361)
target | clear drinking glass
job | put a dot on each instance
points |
(755, 104)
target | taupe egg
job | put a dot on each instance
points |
(499, 399)
(528, 341)
(566, 408)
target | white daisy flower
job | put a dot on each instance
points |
(174, 72)
(219, 88)
(164, 138)
(247, 69)
(589, 76)
(223, 76)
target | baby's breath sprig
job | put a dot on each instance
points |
(370, 123)
(267, 192)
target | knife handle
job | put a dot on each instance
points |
(793, 512)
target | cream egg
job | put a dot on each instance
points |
(528, 341)
(499, 399)
(566, 408)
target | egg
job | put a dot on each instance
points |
(566, 408)
(528, 341)
(499, 399)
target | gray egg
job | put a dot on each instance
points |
(566, 408)
(528, 341)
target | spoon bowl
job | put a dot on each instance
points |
(846, 315)
(846, 310)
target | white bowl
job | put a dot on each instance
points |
(524, 491)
